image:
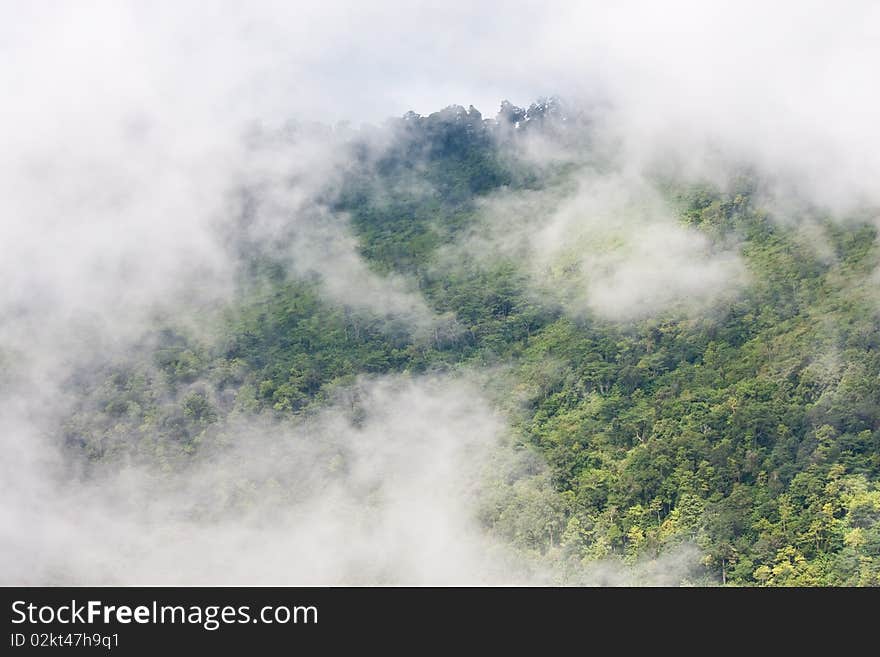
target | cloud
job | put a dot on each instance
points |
(383, 486)
(606, 243)
(129, 137)
(290, 179)
(374, 489)
(122, 126)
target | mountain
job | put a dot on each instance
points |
(683, 365)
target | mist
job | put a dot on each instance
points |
(142, 145)
(610, 245)
(372, 490)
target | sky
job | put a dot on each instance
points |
(789, 84)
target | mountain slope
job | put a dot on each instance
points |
(748, 425)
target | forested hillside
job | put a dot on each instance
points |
(733, 408)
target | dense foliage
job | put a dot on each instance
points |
(752, 431)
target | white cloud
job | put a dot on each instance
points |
(608, 243)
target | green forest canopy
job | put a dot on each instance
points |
(751, 431)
